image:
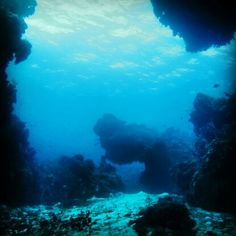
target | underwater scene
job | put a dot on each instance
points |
(117, 117)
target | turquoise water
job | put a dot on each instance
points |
(90, 58)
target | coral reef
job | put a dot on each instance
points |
(200, 23)
(210, 116)
(167, 217)
(42, 221)
(115, 215)
(72, 180)
(182, 175)
(17, 172)
(107, 180)
(12, 27)
(209, 182)
(213, 185)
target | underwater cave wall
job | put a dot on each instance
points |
(200, 23)
(17, 171)
(210, 182)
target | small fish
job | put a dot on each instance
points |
(216, 85)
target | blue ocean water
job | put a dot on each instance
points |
(89, 59)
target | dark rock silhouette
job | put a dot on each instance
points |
(107, 180)
(72, 180)
(213, 185)
(126, 143)
(156, 176)
(20, 8)
(182, 174)
(179, 145)
(167, 217)
(200, 23)
(209, 182)
(17, 171)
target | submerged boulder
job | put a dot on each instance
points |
(167, 217)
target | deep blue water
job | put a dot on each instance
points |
(118, 60)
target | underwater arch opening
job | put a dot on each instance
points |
(112, 105)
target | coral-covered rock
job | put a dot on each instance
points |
(18, 175)
(211, 116)
(107, 180)
(210, 182)
(167, 217)
(207, 116)
(115, 215)
(213, 185)
(71, 180)
(12, 27)
(20, 8)
(17, 170)
(200, 23)
(182, 174)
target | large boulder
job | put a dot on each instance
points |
(167, 217)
